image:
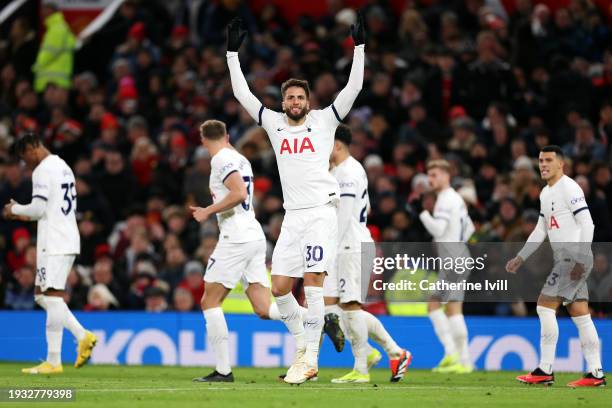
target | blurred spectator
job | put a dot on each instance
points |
(600, 283)
(193, 280)
(16, 257)
(182, 300)
(155, 299)
(100, 298)
(55, 57)
(19, 294)
(77, 288)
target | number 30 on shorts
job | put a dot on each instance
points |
(314, 253)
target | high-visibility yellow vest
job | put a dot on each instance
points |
(55, 58)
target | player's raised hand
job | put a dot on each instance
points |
(358, 30)
(513, 264)
(235, 34)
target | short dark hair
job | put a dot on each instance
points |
(553, 149)
(28, 139)
(343, 134)
(213, 129)
(295, 82)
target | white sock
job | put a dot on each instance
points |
(291, 315)
(70, 321)
(274, 313)
(549, 334)
(72, 324)
(442, 328)
(377, 332)
(217, 334)
(357, 332)
(589, 340)
(40, 300)
(313, 325)
(460, 336)
(54, 329)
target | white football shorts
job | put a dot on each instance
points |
(232, 262)
(52, 271)
(307, 242)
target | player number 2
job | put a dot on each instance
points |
(363, 216)
(247, 203)
(69, 197)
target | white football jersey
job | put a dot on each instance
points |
(558, 205)
(353, 183)
(57, 230)
(451, 207)
(302, 155)
(237, 224)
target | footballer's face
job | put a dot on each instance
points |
(295, 103)
(438, 179)
(551, 166)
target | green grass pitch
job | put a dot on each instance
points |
(155, 386)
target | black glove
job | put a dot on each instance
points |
(235, 34)
(416, 206)
(358, 30)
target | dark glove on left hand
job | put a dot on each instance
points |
(358, 30)
(235, 34)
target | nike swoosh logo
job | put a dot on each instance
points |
(310, 266)
(279, 129)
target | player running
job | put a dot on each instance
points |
(240, 254)
(344, 282)
(566, 220)
(450, 226)
(58, 242)
(303, 140)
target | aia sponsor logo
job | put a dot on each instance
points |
(296, 146)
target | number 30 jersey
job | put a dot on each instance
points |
(237, 224)
(354, 205)
(57, 231)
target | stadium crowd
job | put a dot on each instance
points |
(465, 80)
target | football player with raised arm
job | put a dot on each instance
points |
(566, 220)
(53, 206)
(302, 140)
(240, 254)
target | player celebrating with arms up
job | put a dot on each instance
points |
(566, 220)
(303, 140)
(57, 244)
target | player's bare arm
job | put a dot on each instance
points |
(237, 194)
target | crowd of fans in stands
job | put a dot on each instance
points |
(459, 80)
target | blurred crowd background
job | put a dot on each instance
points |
(482, 83)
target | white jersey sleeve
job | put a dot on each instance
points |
(41, 184)
(345, 99)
